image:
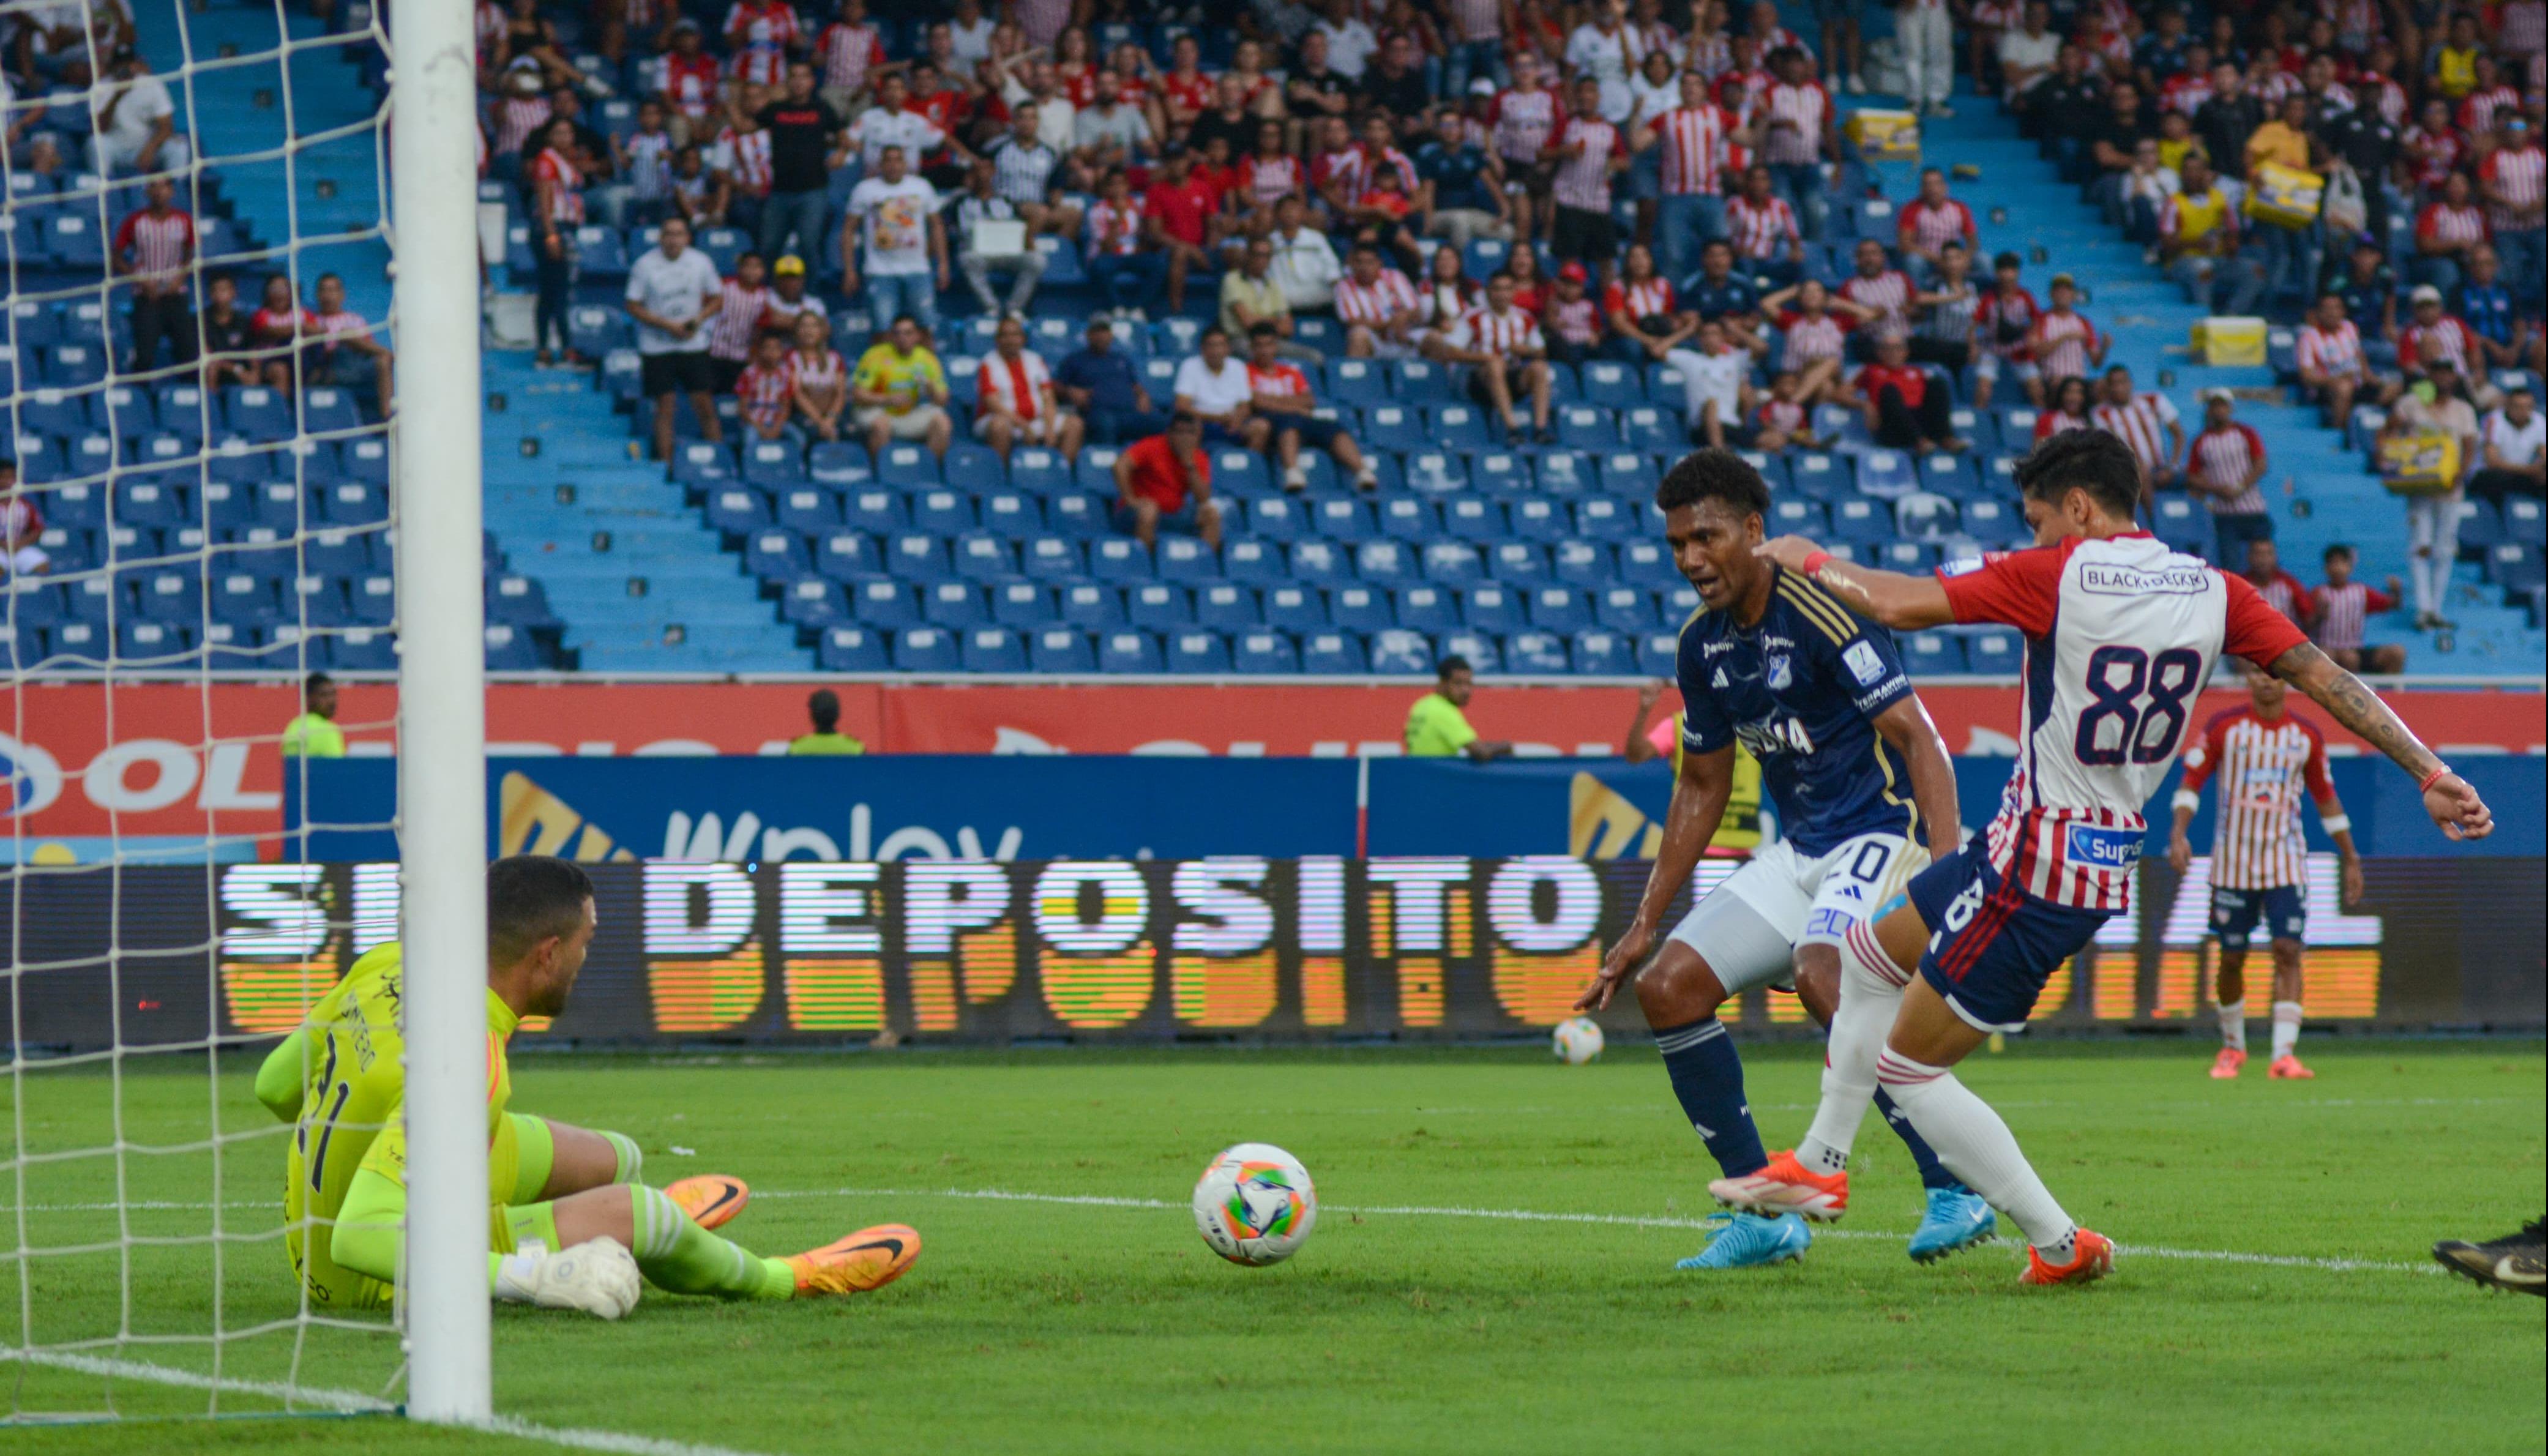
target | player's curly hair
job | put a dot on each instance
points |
(1714, 475)
(2096, 461)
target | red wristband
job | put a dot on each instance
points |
(1816, 561)
(2427, 786)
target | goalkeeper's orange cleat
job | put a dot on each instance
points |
(710, 1199)
(2092, 1258)
(2228, 1063)
(1785, 1186)
(871, 1259)
(2288, 1068)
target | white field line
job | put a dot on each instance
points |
(1627, 1221)
(356, 1402)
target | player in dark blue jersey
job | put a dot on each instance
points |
(1859, 776)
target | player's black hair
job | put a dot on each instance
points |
(2007, 261)
(1714, 475)
(529, 898)
(1454, 663)
(824, 707)
(1262, 329)
(2092, 460)
(1212, 329)
(2335, 549)
(315, 682)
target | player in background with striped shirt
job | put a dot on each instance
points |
(2264, 759)
(2344, 607)
(2224, 465)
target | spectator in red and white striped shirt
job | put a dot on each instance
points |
(2265, 758)
(1762, 229)
(523, 111)
(153, 248)
(731, 328)
(1280, 395)
(1018, 403)
(2445, 231)
(760, 34)
(1644, 317)
(1883, 292)
(2430, 332)
(21, 526)
(1931, 221)
(2148, 423)
(1693, 137)
(767, 388)
(2330, 360)
(818, 376)
(2224, 465)
(1378, 305)
(1503, 347)
(2281, 590)
(2514, 178)
(2344, 605)
(1814, 339)
(849, 48)
(2064, 344)
(1587, 150)
(1798, 128)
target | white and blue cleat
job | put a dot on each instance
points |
(1749, 1242)
(1956, 1219)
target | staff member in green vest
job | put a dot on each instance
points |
(827, 738)
(1740, 831)
(315, 734)
(1436, 728)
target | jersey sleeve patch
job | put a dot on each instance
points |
(2017, 589)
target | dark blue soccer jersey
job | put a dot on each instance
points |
(1799, 691)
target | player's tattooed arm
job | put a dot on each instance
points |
(2454, 805)
(1904, 603)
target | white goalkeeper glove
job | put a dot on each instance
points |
(597, 1276)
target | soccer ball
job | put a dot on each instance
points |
(1254, 1205)
(1576, 1042)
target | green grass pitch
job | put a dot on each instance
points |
(1107, 1326)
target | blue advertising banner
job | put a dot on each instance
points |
(915, 807)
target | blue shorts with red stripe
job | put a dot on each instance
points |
(1992, 946)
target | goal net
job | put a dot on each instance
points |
(207, 410)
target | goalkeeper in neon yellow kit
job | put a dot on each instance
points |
(571, 1226)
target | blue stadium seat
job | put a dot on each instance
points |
(1629, 609)
(808, 511)
(911, 467)
(1159, 608)
(1264, 653)
(1628, 475)
(1333, 653)
(1292, 608)
(955, 604)
(1567, 472)
(776, 555)
(943, 512)
(1186, 559)
(1359, 608)
(1952, 476)
(1613, 385)
(1423, 610)
(1054, 558)
(1085, 517)
(981, 556)
(2180, 524)
(1253, 563)
(1659, 653)
(1995, 652)
(1236, 473)
(1403, 518)
(1490, 608)
(1343, 519)
(2526, 521)
(1540, 653)
(1092, 607)
(1435, 471)
(1457, 428)
(1862, 522)
(1923, 516)
(772, 464)
(1501, 473)
(971, 466)
(1792, 515)
(1386, 563)
(1820, 475)
(738, 511)
(1420, 382)
(1119, 560)
(256, 411)
(1932, 654)
(1517, 563)
(1586, 428)
(1912, 558)
(850, 650)
(1600, 653)
(1362, 384)
(1470, 518)
(1537, 519)
(1886, 473)
(1401, 651)
(1480, 649)
(1224, 607)
(1454, 564)
(1198, 652)
(1127, 652)
(1652, 427)
(1022, 604)
(1647, 564)
(1277, 517)
(847, 556)
(697, 462)
(813, 602)
(520, 601)
(1061, 650)
(1320, 562)
(1040, 472)
(1394, 427)
(1561, 609)
(1607, 517)
(993, 649)
(916, 556)
(925, 649)
(1992, 522)
(839, 464)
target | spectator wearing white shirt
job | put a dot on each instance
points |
(1351, 43)
(1503, 347)
(1716, 385)
(673, 293)
(2433, 517)
(1605, 49)
(895, 238)
(1018, 403)
(1304, 265)
(2513, 440)
(1214, 388)
(136, 122)
(1110, 132)
(890, 122)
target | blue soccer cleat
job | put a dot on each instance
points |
(1748, 1240)
(1956, 1219)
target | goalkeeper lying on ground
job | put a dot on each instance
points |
(569, 1208)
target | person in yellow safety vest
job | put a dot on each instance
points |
(824, 708)
(1740, 831)
(315, 734)
(1436, 728)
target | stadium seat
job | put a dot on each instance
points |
(1420, 610)
(1484, 654)
(813, 602)
(1119, 560)
(1420, 381)
(1560, 609)
(1264, 653)
(1061, 650)
(1586, 428)
(508, 650)
(1613, 385)
(1654, 428)
(1456, 427)
(1398, 650)
(1931, 654)
(955, 605)
(1587, 564)
(1605, 517)
(1537, 519)
(850, 650)
(1228, 609)
(1924, 516)
(1600, 653)
(1022, 604)
(1405, 519)
(910, 466)
(1538, 653)
(1039, 470)
(1435, 473)
(1087, 517)
(1091, 607)
(1127, 652)
(993, 649)
(1345, 521)
(926, 650)
(1159, 608)
(886, 604)
(1819, 476)
(1359, 608)
(1385, 562)
(1490, 608)
(1253, 563)
(1394, 427)
(1320, 562)
(1994, 652)
(1517, 563)
(1454, 564)
(1333, 653)
(1659, 655)
(1628, 475)
(1362, 384)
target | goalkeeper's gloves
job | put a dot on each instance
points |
(597, 1276)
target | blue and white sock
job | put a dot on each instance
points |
(1707, 1077)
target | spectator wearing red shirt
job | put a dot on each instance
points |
(1183, 216)
(153, 249)
(2281, 590)
(1166, 481)
(2344, 605)
(1931, 221)
(22, 525)
(1280, 395)
(2445, 232)
(286, 333)
(1905, 408)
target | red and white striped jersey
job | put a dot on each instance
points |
(2120, 635)
(566, 200)
(2143, 424)
(1521, 120)
(2431, 156)
(1268, 180)
(1509, 332)
(1807, 105)
(1809, 339)
(2443, 222)
(2520, 176)
(1283, 380)
(1115, 228)
(1636, 300)
(2228, 454)
(157, 248)
(766, 395)
(2062, 343)
(689, 84)
(19, 522)
(1888, 292)
(2347, 608)
(1354, 169)
(2457, 341)
(816, 372)
(488, 22)
(516, 118)
(1583, 180)
(1693, 143)
(1763, 231)
(1016, 386)
(745, 157)
(1389, 295)
(2003, 323)
(1930, 228)
(1744, 93)
(737, 320)
(2478, 109)
(846, 51)
(760, 33)
(2337, 351)
(2285, 593)
(2185, 92)
(2263, 766)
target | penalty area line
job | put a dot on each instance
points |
(355, 1402)
(1623, 1220)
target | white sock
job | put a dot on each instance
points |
(2234, 1025)
(1977, 1147)
(2287, 1028)
(1870, 996)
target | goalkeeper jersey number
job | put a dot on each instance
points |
(353, 1093)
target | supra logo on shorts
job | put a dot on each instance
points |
(2106, 848)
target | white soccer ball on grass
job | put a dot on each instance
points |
(1576, 1042)
(1254, 1204)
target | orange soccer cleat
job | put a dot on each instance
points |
(871, 1259)
(2288, 1068)
(2092, 1258)
(2226, 1064)
(1785, 1186)
(710, 1199)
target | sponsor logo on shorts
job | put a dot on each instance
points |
(2107, 848)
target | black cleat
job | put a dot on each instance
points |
(2517, 1261)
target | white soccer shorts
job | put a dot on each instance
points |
(1748, 928)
